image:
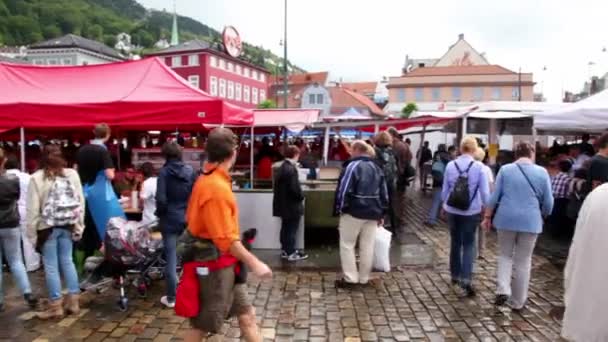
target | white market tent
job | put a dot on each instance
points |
(589, 116)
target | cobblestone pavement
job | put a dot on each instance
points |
(409, 304)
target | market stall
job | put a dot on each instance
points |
(256, 204)
(134, 96)
(586, 116)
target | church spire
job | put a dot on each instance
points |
(174, 31)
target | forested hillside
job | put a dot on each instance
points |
(24, 22)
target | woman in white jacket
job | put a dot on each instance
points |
(55, 218)
(585, 274)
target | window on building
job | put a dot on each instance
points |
(230, 67)
(401, 95)
(320, 99)
(193, 60)
(262, 95)
(262, 77)
(222, 64)
(254, 75)
(176, 61)
(222, 87)
(213, 86)
(477, 94)
(254, 95)
(239, 70)
(312, 99)
(67, 61)
(194, 81)
(515, 93)
(238, 94)
(53, 61)
(213, 61)
(168, 61)
(230, 90)
(246, 74)
(38, 61)
(418, 95)
(436, 94)
(246, 94)
(456, 94)
(496, 93)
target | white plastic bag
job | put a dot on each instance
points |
(382, 250)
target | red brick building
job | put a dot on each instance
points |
(218, 73)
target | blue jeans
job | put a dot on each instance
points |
(10, 247)
(462, 251)
(57, 255)
(170, 249)
(436, 206)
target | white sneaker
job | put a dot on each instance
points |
(165, 301)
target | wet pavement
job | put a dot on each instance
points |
(301, 304)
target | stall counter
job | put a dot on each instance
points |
(255, 211)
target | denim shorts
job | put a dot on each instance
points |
(220, 298)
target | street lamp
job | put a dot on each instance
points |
(285, 67)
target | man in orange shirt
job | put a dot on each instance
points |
(213, 215)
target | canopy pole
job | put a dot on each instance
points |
(326, 146)
(534, 137)
(420, 168)
(251, 156)
(22, 138)
(464, 127)
(376, 128)
(492, 142)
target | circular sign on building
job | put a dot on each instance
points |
(232, 41)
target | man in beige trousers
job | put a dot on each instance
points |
(361, 203)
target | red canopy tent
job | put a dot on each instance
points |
(142, 94)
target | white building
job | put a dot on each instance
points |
(72, 50)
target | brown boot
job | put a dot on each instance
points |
(71, 304)
(53, 311)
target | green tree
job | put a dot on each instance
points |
(143, 38)
(23, 30)
(109, 40)
(95, 32)
(51, 31)
(71, 21)
(267, 104)
(407, 111)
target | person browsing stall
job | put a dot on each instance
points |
(287, 203)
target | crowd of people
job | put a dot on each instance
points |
(49, 212)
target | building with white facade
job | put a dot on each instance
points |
(72, 50)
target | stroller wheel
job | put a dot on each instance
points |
(142, 290)
(123, 304)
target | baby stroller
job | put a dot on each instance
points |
(132, 254)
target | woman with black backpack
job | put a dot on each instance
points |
(465, 191)
(55, 219)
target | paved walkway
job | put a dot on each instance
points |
(408, 304)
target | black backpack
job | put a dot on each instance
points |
(460, 197)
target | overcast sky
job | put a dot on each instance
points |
(362, 40)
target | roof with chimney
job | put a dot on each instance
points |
(74, 41)
(461, 53)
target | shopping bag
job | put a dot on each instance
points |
(382, 250)
(186, 296)
(102, 203)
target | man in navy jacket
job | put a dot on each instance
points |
(361, 203)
